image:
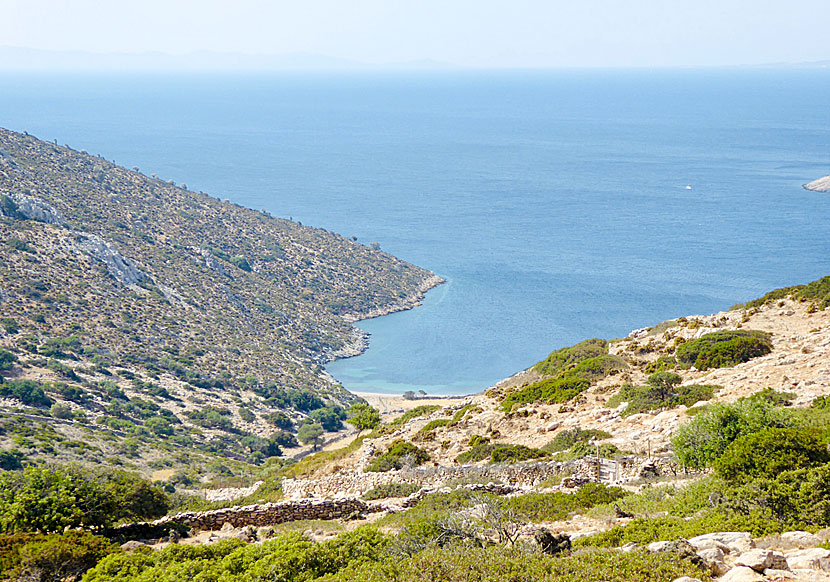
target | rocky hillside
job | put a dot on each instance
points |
(604, 393)
(115, 286)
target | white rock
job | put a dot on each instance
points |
(724, 537)
(707, 544)
(742, 574)
(713, 559)
(779, 574)
(757, 559)
(812, 559)
(800, 539)
(655, 547)
(686, 579)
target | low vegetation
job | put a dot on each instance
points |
(722, 349)
(570, 371)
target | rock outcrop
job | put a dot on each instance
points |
(820, 185)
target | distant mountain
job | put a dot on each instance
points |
(19, 58)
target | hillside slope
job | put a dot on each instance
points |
(112, 278)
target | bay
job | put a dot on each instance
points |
(559, 205)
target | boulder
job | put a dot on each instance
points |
(774, 574)
(724, 537)
(800, 539)
(742, 574)
(812, 559)
(686, 579)
(757, 559)
(714, 561)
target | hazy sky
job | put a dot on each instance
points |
(529, 33)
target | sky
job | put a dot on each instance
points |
(472, 33)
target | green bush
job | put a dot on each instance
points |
(550, 391)
(391, 490)
(10, 325)
(287, 558)
(650, 398)
(661, 364)
(462, 563)
(817, 291)
(722, 349)
(558, 505)
(63, 556)
(27, 391)
(7, 359)
(798, 499)
(644, 531)
(702, 441)
(398, 454)
(568, 357)
(598, 367)
(515, 453)
(770, 452)
(566, 439)
(51, 499)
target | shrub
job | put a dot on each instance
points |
(769, 452)
(551, 391)
(27, 391)
(285, 439)
(558, 505)
(51, 499)
(798, 499)
(280, 420)
(7, 359)
(515, 453)
(702, 441)
(391, 490)
(650, 398)
(51, 557)
(722, 349)
(661, 364)
(564, 358)
(644, 531)
(11, 460)
(566, 439)
(241, 263)
(399, 453)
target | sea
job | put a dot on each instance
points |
(558, 205)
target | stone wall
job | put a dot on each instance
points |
(271, 513)
(522, 475)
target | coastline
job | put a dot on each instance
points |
(359, 342)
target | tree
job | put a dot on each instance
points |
(311, 434)
(363, 417)
(330, 418)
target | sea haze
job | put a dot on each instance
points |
(558, 205)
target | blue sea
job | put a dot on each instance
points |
(557, 205)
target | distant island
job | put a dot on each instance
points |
(820, 185)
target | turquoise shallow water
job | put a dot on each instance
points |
(554, 203)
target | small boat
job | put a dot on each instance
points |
(688, 187)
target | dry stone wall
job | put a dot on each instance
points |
(522, 475)
(271, 513)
